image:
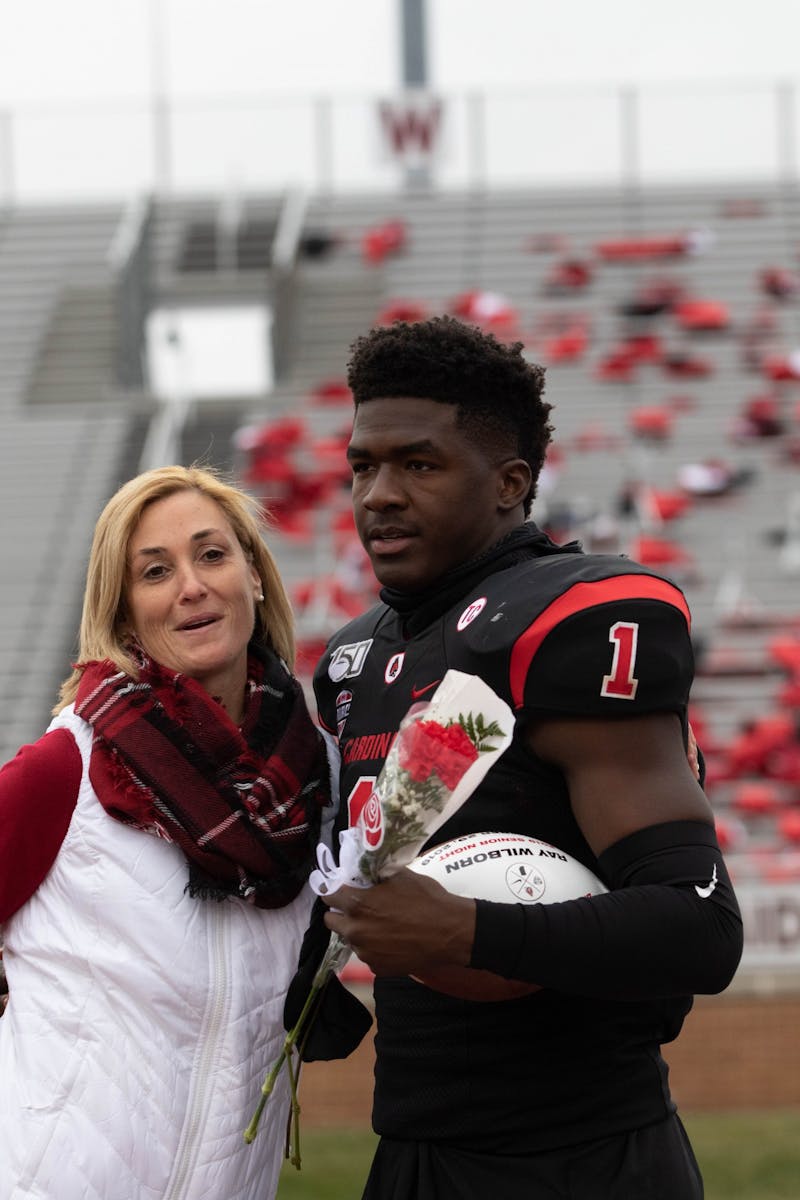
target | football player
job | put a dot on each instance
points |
(562, 1092)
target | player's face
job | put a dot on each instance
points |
(425, 497)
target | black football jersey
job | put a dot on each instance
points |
(565, 634)
(559, 634)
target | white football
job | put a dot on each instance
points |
(506, 867)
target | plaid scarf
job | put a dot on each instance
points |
(244, 804)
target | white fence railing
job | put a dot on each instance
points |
(656, 133)
(771, 914)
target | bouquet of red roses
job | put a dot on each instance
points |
(442, 751)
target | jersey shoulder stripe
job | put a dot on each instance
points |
(578, 598)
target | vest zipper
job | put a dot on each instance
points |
(210, 1036)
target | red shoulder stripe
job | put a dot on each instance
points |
(581, 596)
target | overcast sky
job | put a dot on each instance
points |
(111, 57)
(85, 49)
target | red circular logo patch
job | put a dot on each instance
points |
(371, 821)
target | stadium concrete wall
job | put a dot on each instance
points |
(736, 1052)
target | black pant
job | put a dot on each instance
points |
(654, 1163)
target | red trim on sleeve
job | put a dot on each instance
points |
(38, 793)
(577, 598)
(322, 725)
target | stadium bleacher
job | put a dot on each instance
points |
(679, 407)
(625, 442)
(62, 443)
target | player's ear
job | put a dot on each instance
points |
(514, 482)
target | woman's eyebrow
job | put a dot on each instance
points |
(196, 537)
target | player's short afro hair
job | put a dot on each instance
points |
(498, 393)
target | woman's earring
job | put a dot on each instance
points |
(260, 596)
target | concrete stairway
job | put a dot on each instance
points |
(56, 472)
(62, 440)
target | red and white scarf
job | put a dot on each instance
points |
(244, 804)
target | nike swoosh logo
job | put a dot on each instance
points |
(417, 692)
(705, 892)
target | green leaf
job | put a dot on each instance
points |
(478, 731)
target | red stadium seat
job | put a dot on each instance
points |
(383, 240)
(751, 750)
(658, 552)
(566, 347)
(781, 367)
(789, 825)
(732, 833)
(618, 365)
(780, 867)
(491, 310)
(571, 275)
(402, 310)
(779, 283)
(652, 298)
(785, 651)
(701, 316)
(784, 764)
(308, 653)
(665, 505)
(643, 347)
(756, 798)
(273, 436)
(332, 391)
(329, 455)
(789, 695)
(652, 422)
(761, 416)
(273, 474)
(704, 735)
(642, 248)
(687, 366)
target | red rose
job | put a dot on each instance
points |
(427, 748)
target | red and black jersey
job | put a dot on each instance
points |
(560, 633)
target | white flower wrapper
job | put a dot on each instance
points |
(441, 753)
(391, 827)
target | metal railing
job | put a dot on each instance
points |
(129, 262)
(547, 135)
(283, 275)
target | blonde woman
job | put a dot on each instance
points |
(154, 850)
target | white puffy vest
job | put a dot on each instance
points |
(140, 1024)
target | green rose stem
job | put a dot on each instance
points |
(293, 1136)
(423, 794)
(289, 1046)
(291, 1043)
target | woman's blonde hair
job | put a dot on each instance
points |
(102, 630)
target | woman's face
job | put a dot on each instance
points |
(191, 593)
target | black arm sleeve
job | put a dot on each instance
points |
(670, 926)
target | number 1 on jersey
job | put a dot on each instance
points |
(622, 683)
